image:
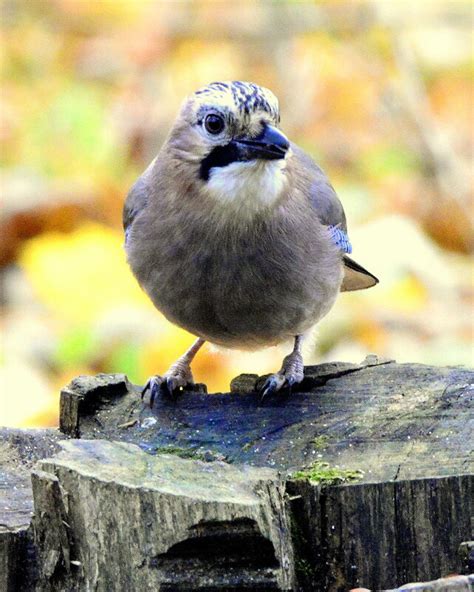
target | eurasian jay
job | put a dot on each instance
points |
(236, 234)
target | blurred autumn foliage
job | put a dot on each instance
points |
(378, 92)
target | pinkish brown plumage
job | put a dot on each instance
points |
(235, 233)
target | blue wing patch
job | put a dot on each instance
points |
(340, 238)
(127, 235)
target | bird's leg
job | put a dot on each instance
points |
(178, 375)
(291, 372)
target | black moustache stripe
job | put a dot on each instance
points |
(220, 156)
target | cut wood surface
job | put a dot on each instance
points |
(393, 421)
(363, 476)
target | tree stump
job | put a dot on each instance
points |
(361, 477)
(19, 452)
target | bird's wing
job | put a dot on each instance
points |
(330, 212)
(136, 201)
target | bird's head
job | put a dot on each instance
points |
(227, 134)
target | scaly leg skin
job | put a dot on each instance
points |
(291, 372)
(177, 377)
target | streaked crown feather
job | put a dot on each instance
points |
(245, 97)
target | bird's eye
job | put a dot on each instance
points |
(214, 124)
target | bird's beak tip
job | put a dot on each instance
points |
(270, 144)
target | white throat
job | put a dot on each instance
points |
(248, 186)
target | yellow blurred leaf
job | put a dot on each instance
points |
(407, 295)
(83, 274)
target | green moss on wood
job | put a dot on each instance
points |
(322, 473)
(193, 453)
(320, 442)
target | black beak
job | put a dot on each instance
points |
(271, 144)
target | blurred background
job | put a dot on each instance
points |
(379, 93)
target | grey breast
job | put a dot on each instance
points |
(243, 286)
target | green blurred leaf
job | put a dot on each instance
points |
(75, 128)
(126, 359)
(387, 160)
(76, 347)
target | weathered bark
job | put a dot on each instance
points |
(85, 394)
(466, 555)
(408, 427)
(115, 518)
(19, 451)
(380, 534)
(451, 584)
(17, 567)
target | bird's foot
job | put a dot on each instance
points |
(171, 384)
(291, 373)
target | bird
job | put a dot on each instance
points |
(236, 234)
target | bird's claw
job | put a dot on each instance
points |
(154, 385)
(291, 373)
(168, 386)
(274, 384)
(145, 388)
